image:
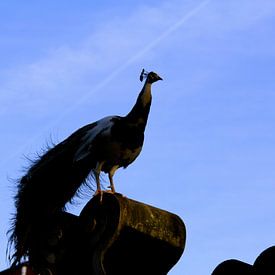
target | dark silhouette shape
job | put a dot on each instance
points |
(233, 267)
(55, 177)
(112, 236)
(129, 237)
(264, 265)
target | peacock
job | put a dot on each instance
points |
(57, 175)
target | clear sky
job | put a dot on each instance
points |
(209, 148)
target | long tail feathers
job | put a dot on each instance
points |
(51, 182)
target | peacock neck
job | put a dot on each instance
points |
(139, 113)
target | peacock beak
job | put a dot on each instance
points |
(159, 78)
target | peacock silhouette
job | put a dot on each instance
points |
(56, 176)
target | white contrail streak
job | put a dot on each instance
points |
(114, 74)
(145, 50)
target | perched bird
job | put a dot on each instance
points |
(55, 177)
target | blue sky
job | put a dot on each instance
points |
(209, 148)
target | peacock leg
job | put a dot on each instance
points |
(97, 178)
(111, 174)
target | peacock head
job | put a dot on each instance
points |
(150, 77)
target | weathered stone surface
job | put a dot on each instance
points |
(114, 236)
(128, 237)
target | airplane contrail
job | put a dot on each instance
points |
(116, 72)
(147, 48)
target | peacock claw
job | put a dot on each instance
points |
(101, 192)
